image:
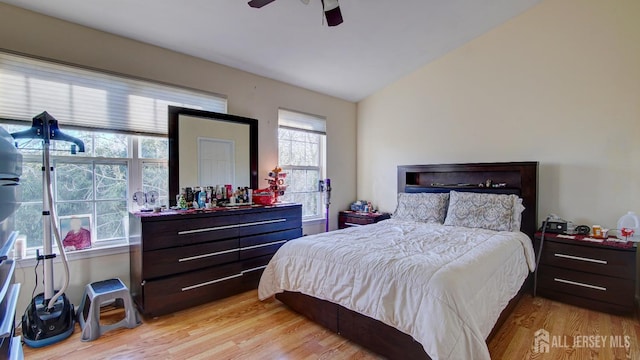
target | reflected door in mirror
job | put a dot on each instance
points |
(216, 161)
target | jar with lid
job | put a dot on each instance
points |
(629, 221)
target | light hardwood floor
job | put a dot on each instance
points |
(241, 327)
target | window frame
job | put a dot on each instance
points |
(119, 114)
(321, 167)
(134, 165)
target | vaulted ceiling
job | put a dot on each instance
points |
(378, 43)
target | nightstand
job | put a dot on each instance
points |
(598, 276)
(351, 218)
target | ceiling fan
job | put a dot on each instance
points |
(331, 9)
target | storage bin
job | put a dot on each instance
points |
(630, 221)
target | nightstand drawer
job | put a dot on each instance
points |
(596, 287)
(350, 218)
(610, 262)
(353, 220)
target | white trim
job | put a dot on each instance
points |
(30, 262)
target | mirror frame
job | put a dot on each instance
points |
(174, 157)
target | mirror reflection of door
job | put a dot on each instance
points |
(216, 162)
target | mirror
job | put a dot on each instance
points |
(209, 149)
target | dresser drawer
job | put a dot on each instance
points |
(252, 271)
(186, 258)
(592, 286)
(261, 250)
(604, 261)
(186, 290)
(270, 237)
(171, 233)
(264, 222)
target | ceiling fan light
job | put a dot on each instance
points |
(259, 3)
(332, 12)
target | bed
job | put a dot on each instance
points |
(419, 287)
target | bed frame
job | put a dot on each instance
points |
(520, 178)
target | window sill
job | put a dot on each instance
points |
(313, 221)
(30, 261)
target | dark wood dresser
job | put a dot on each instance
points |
(181, 259)
(599, 276)
(351, 218)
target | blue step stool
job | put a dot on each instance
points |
(97, 294)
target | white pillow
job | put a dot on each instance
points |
(423, 207)
(483, 210)
(518, 208)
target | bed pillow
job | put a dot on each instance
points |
(423, 207)
(481, 210)
(516, 220)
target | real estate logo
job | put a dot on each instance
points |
(543, 341)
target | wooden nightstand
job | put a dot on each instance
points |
(351, 218)
(599, 276)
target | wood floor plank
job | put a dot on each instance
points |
(242, 327)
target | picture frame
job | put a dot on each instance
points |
(76, 231)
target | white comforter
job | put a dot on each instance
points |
(443, 285)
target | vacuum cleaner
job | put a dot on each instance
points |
(50, 317)
(325, 187)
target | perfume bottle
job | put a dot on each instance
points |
(202, 199)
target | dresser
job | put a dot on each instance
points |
(352, 218)
(10, 344)
(599, 276)
(181, 259)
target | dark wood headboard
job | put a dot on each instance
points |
(520, 178)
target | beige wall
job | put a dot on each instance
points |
(248, 95)
(559, 84)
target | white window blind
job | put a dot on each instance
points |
(300, 121)
(92, 99)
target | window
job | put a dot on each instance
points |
(123, 124)
(97, 182)
(301, 154)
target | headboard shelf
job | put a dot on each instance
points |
(521, 178)
(502, 189)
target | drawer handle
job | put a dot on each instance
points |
(254, 269)
(262, 245)
(581, 258)
(206, 255)
(224, 227)
(580, 284)
(352, 224)
(210, 282)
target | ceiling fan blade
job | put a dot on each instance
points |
(259, 3)
(332, 12)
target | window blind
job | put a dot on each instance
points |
(92, 99)
(300, 121)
